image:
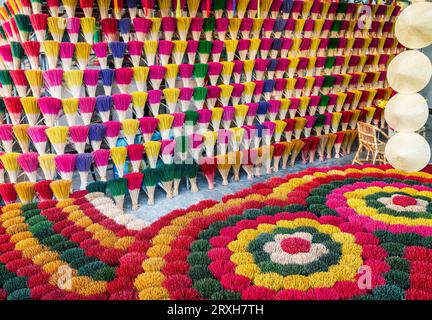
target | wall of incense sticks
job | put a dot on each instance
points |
(160, 90)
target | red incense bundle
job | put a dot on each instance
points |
(123, 78)
(110, 29)
(208, 166)
(135, 154)
(8, 193)
(142, 27)
(43, 190)
(20, 81)
(31, 50)
(134, 183)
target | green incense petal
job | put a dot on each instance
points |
(219, 4)
(330, 61)
(336, 25)
(319, 121)
(181, 144)
(205, 46)
(151, 176)
(324, 101)
(117, 187)
(191, 169)
(97, 186)
(342, 7)
(17, 49)
(5, 78)
(23, 22)
(328, 81)
(209, 24)
(200, 71)
(191, 117)
(166, 172)
(200, 93)
(333, 43)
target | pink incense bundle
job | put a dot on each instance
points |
(156, 75)
(38, 136)
(100, 50)
(260, 68)
(338, 143)
(112, 131)
(268, 131)
(142, 27)
(265, 46)
(302, 65)
(178, 122)
(213, 93)
(237, 92)
(14, 108)
(109, 29)
(319, 81)
(67, 51)
(31, 50)
(221, 28)
(243, 48)
(331, 101)
(313, 104)
(154, 98)
(134, 184)
(148, 126)
(20, 81)
(101, 158)
(245, 27)
(53, 80)
(73, 27)
(259, 87)
(185, 72)
(6, 55)
(123, 78)
(227, 116)
(86, 106)
(8, 193)
(91, 79)
(185, 98)
(238, 70)
(43, 190)
(121, 103)
(165, 49)
(53, 6)
(293, 107)
(50, 108)
(251, 113)
(281, 67)
(214, 70)
(279, 87)
(299, 86)
(7, 137)
(39, 22)
(135, 49)
(65, 164)
(196, 27)
(195, 144)
(289, 128)
(168, 25)
(289, 27)
(204, 118)
(223, 139)
(346, 118)
(135, 154)
(167, 151)
(191, 50)
(308, 28)
(273, 109)
(327, 122)
(79, 136)
(310, 121)
(216, 50)
(267, 27)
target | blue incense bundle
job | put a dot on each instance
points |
(107, 76)
(118, 49)
(103, 105)
(125, 26)
(96, 135)
(83, 165)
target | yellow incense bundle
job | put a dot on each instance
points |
(73, 80)
(52, 50)
(297, 146)
(227, 70)
(20, 132)
(118, 156)
(25, 191)
(70, 109)
(130, 129)
(140, 75)
(82, 54)
(31, 109)
(88, 25)
(58, 136)
(47, 164)
(139, 100)
(171, 74)
(61, 189)
(56, 27)
(35, 80)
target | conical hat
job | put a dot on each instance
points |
(413, 27)
(409, 72)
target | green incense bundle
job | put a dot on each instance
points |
(191, 118)
(330, 61)
(191, 171)
(204, 49)
(336, 25)
(2, 33)
(319, 123)
(166, 175)
(5, 78)
(151, 176)
(24, 26)
(178, 175)
(219, 4)
(322, 106)
(97, 186)
(17, 54)
(342, 7)
(333, 43)
(181, 146)
(328, 81)
(199, 96)
(209, 26)
(199, 73)
(118, 189)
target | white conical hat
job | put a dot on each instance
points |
(413, 26)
